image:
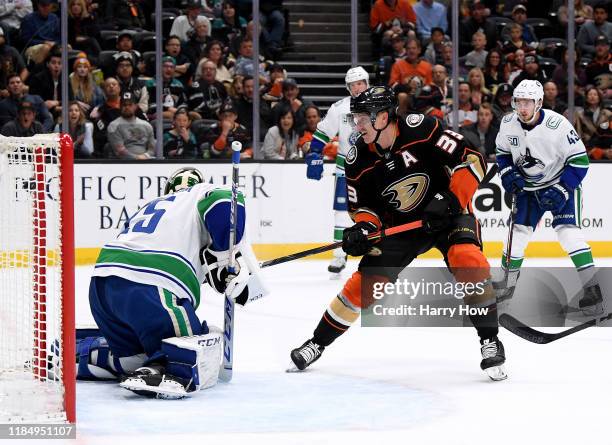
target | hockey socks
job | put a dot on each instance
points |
(338, 317)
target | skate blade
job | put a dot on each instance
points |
(294, 369)
(335, 275)
(497, 373)
(166, 392)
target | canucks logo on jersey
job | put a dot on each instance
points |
(530, 167)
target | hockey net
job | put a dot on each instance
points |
(37, 370)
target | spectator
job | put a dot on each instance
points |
(80, 130)
(519, 15)
(482, 133)
(447, 57)
(502, 104)
(430, 14)
(559, 76)
(398, 47)
(442, 84)
(11, 15)
(600, 145)
(83, 32)
(594, 115)
(272, 27)
(8, 106)
(10, 61)
(244, 62)
(281, 139)
(516, 41)
(128, 82)
(406, 95)
(184, 24)
(582, 14)
(206, 95)
(230, 25)
(592, 29)
(173, 91)
(433, 52)
(468, 113)
(244, 106)
(273, 91)
(129, 136)
(476, 22)
(478, 56)
(515, 63)
(184, 69)
(83, 88)
(180, 142)
(126, 14)
(410, 66)
(226, 131)
(40, 31)
(479, 93)
(125, 43)
(24, 124)
(104, 114)
(291, 99)
(532, 71)
(195, 48)
(214, 53)
(384, 12)
(313, 117)
(599, 70)
(495, 70)
(551, 100)
(47, 83)
(235, 90)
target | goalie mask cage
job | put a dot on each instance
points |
(37, 338)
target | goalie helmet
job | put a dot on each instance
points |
(183, 178)
(356, 74)
(529, 89)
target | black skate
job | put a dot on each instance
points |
(591, 302)
(337, 265)
(493, 358)
(153, 382)
(306, 355)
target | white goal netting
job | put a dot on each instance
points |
(31, 368)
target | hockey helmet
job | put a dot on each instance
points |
(529, 89)
(374, 100)
(183, 178)
(356, 74)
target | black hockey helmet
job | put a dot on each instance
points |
(374, 100)
(183, 178)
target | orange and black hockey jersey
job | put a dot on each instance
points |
(393, 186)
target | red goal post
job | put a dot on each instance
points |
(37, 337)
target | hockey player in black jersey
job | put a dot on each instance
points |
(397, 172)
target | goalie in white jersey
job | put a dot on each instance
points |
(338, 121)
(543, 162)
(145, 290)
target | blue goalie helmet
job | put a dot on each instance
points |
(183, 178)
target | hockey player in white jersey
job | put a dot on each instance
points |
(145, 290)
(543, 161)
(338, 121)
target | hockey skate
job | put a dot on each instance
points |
(305, 355)
(152, 382)
(591, 302)
(493, 358)
(337, 265)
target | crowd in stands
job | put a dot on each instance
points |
(500, 44)
(208, 72)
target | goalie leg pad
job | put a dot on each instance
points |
(196, 359)
(95, 361)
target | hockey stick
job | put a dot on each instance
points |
(228, 310)
(510, 236)
(387, 232)
(534, 336)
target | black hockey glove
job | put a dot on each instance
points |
(355, 240)
(440, 210)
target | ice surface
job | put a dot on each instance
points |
(381, 385)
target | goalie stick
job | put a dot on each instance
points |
(387, 232)
(228, 308)
(534, 336)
